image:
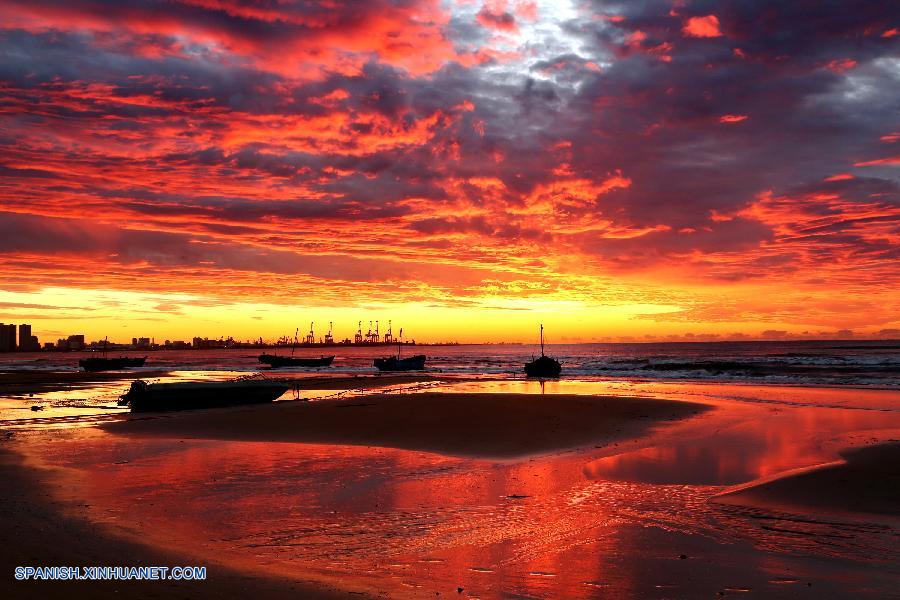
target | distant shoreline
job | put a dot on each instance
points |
(857, 344)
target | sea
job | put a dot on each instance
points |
(819, 363)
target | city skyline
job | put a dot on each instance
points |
(361, 337)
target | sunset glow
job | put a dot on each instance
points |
(619, 171)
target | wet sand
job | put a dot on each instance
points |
(32, 382)
(52, 528)
(39, 529)
(353, 382)
(494, 426)
(866, 481)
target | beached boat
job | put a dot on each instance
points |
(95, 364)
(397, 363)
(544, 366)
(294, 361)
(143, 396)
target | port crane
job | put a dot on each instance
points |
(310, 338)
(329, 338)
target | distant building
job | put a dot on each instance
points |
(76, 342)
(7, 338)
(73, 342)
(176, 345)
(27, 342)
(208, 343)
(24, 334)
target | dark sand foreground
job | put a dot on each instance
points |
(867, 481)
(498, 426)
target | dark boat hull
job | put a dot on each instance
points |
(543, 367)
(110, 364)
(392, 363)
(143, 397)
(290, 361)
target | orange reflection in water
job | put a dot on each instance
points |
(575, 525)
(771, 441)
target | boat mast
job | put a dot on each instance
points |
(542, 339)
(294, 345)
(399, 342)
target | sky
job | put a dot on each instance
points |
(641, 170)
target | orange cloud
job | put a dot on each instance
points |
(840, 177)
(702, 27)
(841, 65)
(890, 160)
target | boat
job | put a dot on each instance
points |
(292, 361)
(394, 363)
(102, 363)
(543, 366)
(275, 361)
(95, 364)
(145, 397)
(397, 363)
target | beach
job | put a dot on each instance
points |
(428, 485)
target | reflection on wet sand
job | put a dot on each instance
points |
(746, 445)
(631, 518)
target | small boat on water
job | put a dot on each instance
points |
(145, 397)
(292, 361)
(543, 366)
(394, 363)
(96, 364)
(397, 363)
(275, 361)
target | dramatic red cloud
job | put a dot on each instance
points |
(732, 118)
(296, 41)
(702, 27)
